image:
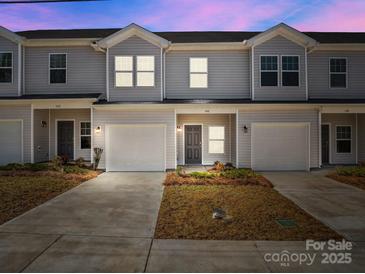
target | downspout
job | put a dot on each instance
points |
(161, 75)
(306, 74)
(252, 73)
(20, 67)
(319, 137)
(107, 74)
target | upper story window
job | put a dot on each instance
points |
(145, 71)
(198, 72)
(338, 72)
(6, 67)
(343, 139)
(269, 71)
(123, 71)
(57, 68)
(290, 71)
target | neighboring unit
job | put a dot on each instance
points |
(274, 100)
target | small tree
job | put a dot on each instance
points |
(97, 156)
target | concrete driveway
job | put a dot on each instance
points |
(104, 225)
(340, 206)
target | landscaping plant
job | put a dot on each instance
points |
(97, 156)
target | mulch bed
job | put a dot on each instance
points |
(186, 213)
(21, 191)
(350, 180)
(172, 179)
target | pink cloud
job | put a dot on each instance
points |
(216, 14)
(336, 16)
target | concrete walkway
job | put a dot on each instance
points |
(340, 206)
(107, 225)
(104, 225)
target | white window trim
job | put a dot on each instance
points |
(329, 73)
(83, 135)
(130, 71)
(344, 139)
(49, 68)
(277, 70)
(283, 70)
(12, 68)
(154, 69)
(224, 139)
(190, 73)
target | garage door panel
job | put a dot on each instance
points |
(280, 146)
(11, 142)
(135, 148)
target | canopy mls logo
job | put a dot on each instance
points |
(284, 258)
(330, 252)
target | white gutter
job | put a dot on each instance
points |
(19, 69)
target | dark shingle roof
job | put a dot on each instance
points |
(53, 96)
(192, 36)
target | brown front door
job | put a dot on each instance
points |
(193, 144)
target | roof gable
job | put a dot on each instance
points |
(129, 31)
(285, 31)
(4, 32)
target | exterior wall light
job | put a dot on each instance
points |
(43, 124)
(178, 128)
(97, 129)
(245, 129)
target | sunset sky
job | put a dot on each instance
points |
(169, 15)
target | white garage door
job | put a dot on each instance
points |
(10, 142)
(135, 147)
(280, 146)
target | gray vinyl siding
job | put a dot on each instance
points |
(10, 89)
(105, 117)
(21, 113)
(233, 139)
(318, 75)
(41, 135)
(342, 119)
(279, 46)
(248, 117)
(135, 46)
(228, 75)
(79, 115)
(206, 120)
(85, 70)
(361, 137)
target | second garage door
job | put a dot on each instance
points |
(135, 147)
(280, 146)
(11, 142)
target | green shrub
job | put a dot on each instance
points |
(358, 171)
(36, 167)
(203, 175)
(12, 166)
(56, 163)
(238, 173)
(27, 166)
(80, 162)
(75, 170)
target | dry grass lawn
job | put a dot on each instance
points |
(350, 180)
(186, 213)
(20, 193)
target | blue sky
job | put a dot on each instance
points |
(164, 15)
